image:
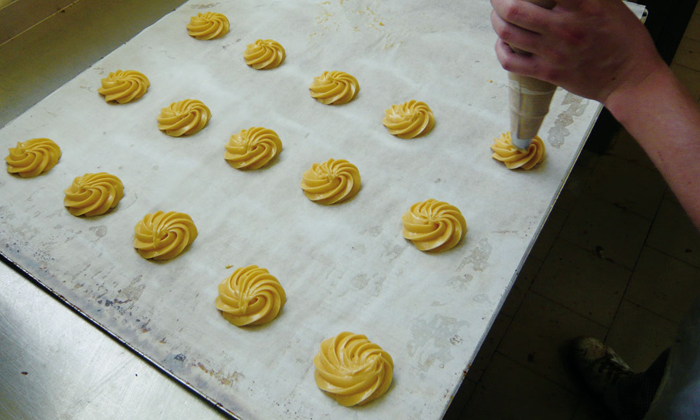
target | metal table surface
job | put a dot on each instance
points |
(55, 364)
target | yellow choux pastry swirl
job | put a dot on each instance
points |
(514, 158)
(408, 120)
(252, 148)
(163, 236)
(93, 194)
(184, 118)
(250, 296)
(331, 182)
(33, 157)
(352, 370)
(433, 225)
(334, 88)
(264, 54)
(124, 86)
(208, 26)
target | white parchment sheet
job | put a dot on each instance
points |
(344, 267)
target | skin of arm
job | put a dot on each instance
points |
(598, 49)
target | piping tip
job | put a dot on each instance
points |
(522, 144)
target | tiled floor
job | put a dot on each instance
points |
(618, 259)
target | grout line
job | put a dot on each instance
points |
(61, 10)
(671, 256)
(575, 312)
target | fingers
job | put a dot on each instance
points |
(522, 14)
(517, 37)
(524, 64)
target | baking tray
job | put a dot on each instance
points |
(344, 267)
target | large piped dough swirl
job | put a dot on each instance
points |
(514, 158)
(334, 88)
(331, 182)
(250, 296)
(433, 225)
(163, 236)
(252, 148)
(124, 86)
(184, 118)
(408, 120)
(93, 194)
(33, 157)
(353, 370)
(264, 54)
(208, 26)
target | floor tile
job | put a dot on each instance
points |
(688, 54)
(627, 185)
(664, 285)
(693, 29)
(510, 391)
(689, 77)
(454, 411)
(592, 408)
(577, 180)
(639, 336)
(488, 348)
(626, 147)
(539, 335)
(549, 233)
(674, 234)
(613, 233)
(581, 281)
(669, 195)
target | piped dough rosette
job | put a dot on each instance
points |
(408, 120)
(163, 236)
(264, 54)
(250, 296)
(124, 86)
(353, 370)
(206, 26)
(433, 225)
(33, 157)
(252, 148)
(331, 182)
(93, 194)
(514, 158)
(184, 118)
(334, 88)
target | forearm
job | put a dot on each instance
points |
(665, 120)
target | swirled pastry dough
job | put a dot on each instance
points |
(252, 148)
(433, 225)
(334, 88)
(208, 26)
(124, 86)
(93, 194)
(331, 182)
(33, 157)
(353, 370)
(250, 296)
(514, 158)
(408, 120)
(184, 118)
(163, 236)
(264, 54)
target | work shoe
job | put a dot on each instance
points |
(604, 372)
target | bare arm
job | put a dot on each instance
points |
(598, 49)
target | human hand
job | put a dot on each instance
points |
(591, 48)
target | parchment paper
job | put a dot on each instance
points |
(344, 267)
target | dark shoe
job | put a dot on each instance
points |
(602, 370)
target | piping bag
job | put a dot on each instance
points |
(529, 99)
